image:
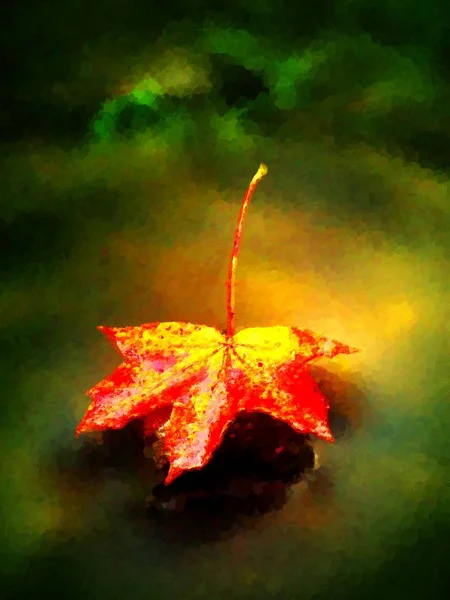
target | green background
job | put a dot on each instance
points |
(130, 131)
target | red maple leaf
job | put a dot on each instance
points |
(188, 382)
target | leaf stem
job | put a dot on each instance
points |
(231, 279)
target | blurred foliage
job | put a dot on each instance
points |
(128, 128)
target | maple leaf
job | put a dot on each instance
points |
(188, 383)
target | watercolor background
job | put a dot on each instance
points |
(130, 132)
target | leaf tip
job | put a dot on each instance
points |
(328, 437)
(173, 473)
(334, 348)
(324, 433)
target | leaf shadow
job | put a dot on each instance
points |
(248, 476)
(253, 472)
(348, 399)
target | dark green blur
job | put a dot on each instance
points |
(117, 118)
